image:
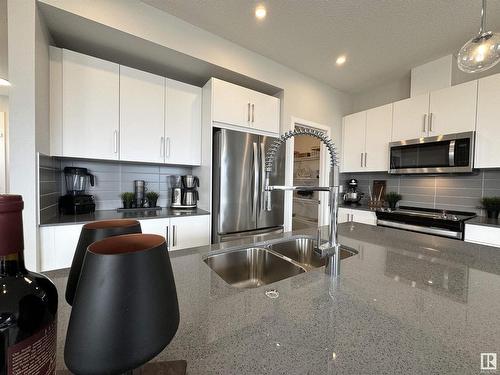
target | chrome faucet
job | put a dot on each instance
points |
(330, 250)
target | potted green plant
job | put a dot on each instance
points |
(152, 198)
(393, 198)
(492, 206)
(127, 199)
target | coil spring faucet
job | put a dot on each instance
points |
(330, 250)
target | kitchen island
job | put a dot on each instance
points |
(407, 303)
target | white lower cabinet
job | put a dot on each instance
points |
(155, 226)
(189, 231)
(357, 216)
(181, 232)
(483, 235)
(58, 242)
(58, 245)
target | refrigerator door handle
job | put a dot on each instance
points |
(256, 163)
(262, 175)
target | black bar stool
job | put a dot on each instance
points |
(92, 232)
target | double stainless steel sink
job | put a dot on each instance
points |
(256, 266)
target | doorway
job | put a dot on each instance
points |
(309, 166)
(306, 169)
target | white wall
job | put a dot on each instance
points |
(380, 95)
(399, 88)
(42, 86)
(3, 40)
(22, 168)
(28, 116)
(4, 161)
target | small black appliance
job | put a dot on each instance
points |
(76, 201)
(352, 195)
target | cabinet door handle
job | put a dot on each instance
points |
(425, 123)
(366, 157)
(174, 236)
(248, 112)
(253, 113)
(166, 238)
(162, 146)
(430, 121)
(361, 161)
(115, 141)
(168, 147)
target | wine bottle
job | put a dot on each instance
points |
(28, 302)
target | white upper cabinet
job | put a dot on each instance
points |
(378, 136)
(366, 136)
(410, 118)
(90, 111)
(445, 111)
(265, 112)
(102, 110)
(353, 145)
(231, 104)
(142, 129)
(239, 106)
(488, 128)
(183, 123)
(453, 109)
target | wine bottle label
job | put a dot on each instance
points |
(35, 355)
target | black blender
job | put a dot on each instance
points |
(76, 201)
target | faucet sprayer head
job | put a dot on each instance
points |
(275, 146)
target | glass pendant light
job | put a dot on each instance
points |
(481, 52)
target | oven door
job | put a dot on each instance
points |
(452, 153)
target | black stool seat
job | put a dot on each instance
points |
(92, 232)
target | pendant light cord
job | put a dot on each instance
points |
(483, 17)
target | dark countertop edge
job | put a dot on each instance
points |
(484, 221)
(113, 214)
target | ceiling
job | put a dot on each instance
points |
(80, 34)
(383, 39)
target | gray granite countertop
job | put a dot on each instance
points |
(482, 220)
(114, 214)
(407, 303)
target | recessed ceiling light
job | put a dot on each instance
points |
(341, 60)
(260, 12)
(4, 82)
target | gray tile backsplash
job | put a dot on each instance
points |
(111, 179)
(49, 186)
(453, 192)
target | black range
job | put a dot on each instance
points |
(442, 223)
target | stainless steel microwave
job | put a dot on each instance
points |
(451, 153)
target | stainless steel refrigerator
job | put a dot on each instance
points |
(238, 184)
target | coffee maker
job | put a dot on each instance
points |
(76, 201)
(184, 191)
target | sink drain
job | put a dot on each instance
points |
(273, 293)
